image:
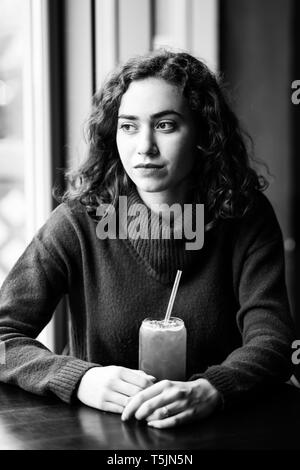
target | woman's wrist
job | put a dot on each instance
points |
(212, 395)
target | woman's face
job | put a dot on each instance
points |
(156, 136)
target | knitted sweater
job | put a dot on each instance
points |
(232, 298)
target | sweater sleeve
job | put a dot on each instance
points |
(263, 317)
(28, 298)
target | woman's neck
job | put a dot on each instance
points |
(156, 200)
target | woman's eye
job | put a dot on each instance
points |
(165, 126)
(127, 127)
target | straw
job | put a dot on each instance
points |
(173, 295)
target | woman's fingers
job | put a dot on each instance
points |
(172, 402)
(130, 383)
(159, 402)
(137, 377)
(117, 398)
(112, 407)
(123, 387)
(187, 415)
(167, 410)
(126, 388)
(175, 420)
(113, 384)
(143, 397)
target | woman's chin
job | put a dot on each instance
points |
(151, 188)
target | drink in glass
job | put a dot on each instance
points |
(162, 348)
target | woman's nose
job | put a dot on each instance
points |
(146, 143)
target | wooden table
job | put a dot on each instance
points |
(32, 422)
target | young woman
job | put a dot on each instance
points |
(160, 133)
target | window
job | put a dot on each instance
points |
(12, 197)
(25, 151)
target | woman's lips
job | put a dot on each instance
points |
(149, 166)
(149, 169)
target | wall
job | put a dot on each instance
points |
(256, 58)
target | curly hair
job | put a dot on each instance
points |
(223, 175)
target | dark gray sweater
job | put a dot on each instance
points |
(232, 298)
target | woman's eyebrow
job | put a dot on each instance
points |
(167, 111)
(128, 116)
(155, 116)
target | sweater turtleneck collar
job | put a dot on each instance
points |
(158, 249)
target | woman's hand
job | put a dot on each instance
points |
(110, 388)
(169, 403)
